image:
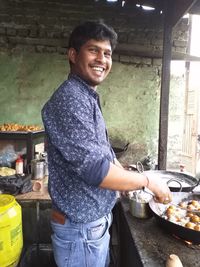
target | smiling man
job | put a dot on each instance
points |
(92, 61)
(84, 174)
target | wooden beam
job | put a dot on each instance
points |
(139, 51)
(165, 85)
(195, 9)
(180, 8)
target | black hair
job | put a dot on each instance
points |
(96, 30)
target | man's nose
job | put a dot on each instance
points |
(100, 56)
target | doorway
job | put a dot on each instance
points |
(186, 145)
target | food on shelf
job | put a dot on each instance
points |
(5, 171)
(186, 214)
(14, 127)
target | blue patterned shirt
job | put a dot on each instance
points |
(79, 152)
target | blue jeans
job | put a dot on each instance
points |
(82, 244)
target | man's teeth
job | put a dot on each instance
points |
(98, 68)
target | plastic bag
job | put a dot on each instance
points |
(7, 156)
(15, 184)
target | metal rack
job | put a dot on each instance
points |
(31, 138)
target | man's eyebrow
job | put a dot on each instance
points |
(96, 46)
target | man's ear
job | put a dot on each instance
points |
(72, 55)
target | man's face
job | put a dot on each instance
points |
(92, 62)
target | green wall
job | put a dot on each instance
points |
(129, 95)
(130, 103)
(27, 80)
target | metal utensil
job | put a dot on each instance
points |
(139, 209)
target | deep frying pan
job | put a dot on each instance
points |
(177, 181)
(173, 228)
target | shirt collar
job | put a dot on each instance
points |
(85, 85)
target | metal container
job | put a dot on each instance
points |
(44, 157)
(139, 208)
(37, 169)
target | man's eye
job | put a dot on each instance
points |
(107, 54)
(93, 50)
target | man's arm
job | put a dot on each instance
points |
(124, 180)
(117, 163)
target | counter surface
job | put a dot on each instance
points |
(154, 245)
(40, 194)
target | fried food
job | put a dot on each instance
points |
(14, 127)
(186, 214)
(190, 225)
(197, 227)
(195, 219)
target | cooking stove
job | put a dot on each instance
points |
(189, 244)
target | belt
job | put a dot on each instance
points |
(58, 217)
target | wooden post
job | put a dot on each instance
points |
(165, 84)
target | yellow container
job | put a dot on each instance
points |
(11, 239)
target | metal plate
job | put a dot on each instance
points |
(177, 181)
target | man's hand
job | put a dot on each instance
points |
(160, 190)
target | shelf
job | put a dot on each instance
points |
(19, 134)
(31, 139)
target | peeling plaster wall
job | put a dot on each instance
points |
(33, 40)
(28, 79)
(130, 103)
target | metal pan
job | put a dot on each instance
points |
(173, 228)
(177, 181)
